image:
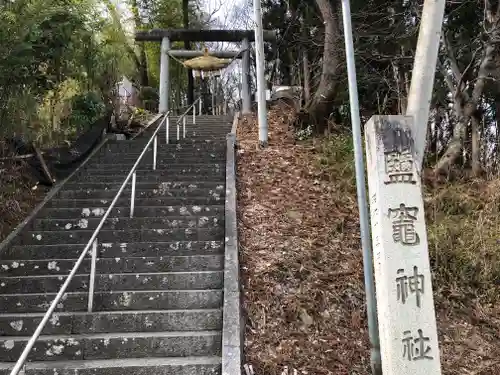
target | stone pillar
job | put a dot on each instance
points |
(164, 76)
(405, 305)
(245, 78)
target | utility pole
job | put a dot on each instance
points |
(424, 69)
(261, 81)
(187, 46)
(364, 223)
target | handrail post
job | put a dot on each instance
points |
(178, 131)
(91, 245)
(167, 128)
(200, 104)
(184, 127)
(92, 275)
(155, 151)
(194, 114)
(132, 197)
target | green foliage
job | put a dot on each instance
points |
(45, 45)
(149, 98)
(86, 109)
(58, 56)
(140, 112)
(148, 93)
(163, 14)
(463, 220)
(337, 160)
(304, 134)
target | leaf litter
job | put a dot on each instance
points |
(302, 270)
(19, 193)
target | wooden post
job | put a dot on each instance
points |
(405, 305)
(45, 169)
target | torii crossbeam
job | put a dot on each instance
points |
(166, 36)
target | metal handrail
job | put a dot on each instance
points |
(183, 119)
(91, 243)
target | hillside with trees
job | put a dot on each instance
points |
(463, 132)
(60, 68)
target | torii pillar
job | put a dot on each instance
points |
(245, 78)
(164, 76)
(166, 37)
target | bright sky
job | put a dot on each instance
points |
(224, 11)
(221, 10)
(226, 14)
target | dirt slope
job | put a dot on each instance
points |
(302, 265)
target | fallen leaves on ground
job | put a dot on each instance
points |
(17, 194)
(302, 268)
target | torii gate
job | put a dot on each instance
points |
(166, 36)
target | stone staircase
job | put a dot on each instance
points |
(158, 298)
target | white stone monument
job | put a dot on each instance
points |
(405, 305)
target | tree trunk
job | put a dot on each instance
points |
(433, 134)
(466, 107)
(143, 67)
(142, 61)
(476, 148)
(321, 106)
(305, 64)
(307, 76)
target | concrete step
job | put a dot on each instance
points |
(202, 120)
(209, 172)
(114, 345)
(207, 127)
(141, 192)
(167, 156)
(122, 223)
(199, 124)
(151, 178)
(114, 301)
(142, 141)
(134, 366)
(107, 265)
(136, 147)
(162, 161)
(124, 201)
(113, 250)
(129, 157)
(140, 185)
(163, 148)
(202, 125)
(118, 236)
(114, 282)
(172, 170)
(192, 139)
(139, 211)
(220, 119)
(194, 131)
(164, 175)
(65, 323)
(209, 131)
(193, 136)
(164, 152)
